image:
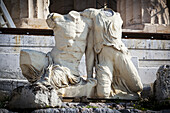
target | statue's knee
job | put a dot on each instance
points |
(103, 93)
(139, 87)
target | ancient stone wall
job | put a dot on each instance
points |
(141, 15)
(28, 13)
(145, 15)
(147, 55)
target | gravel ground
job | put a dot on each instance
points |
(73, 107)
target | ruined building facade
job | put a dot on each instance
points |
(141, 15)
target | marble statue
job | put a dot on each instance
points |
(71, 32)
(95, 33)
(60, 67)
(116, 75)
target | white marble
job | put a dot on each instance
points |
(115, 72)
(97, 33)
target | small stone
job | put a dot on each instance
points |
(76, 99)
(119, 107)
(4, 111)
(63, 110)
(84, 110)
(114, 105)
(64, 105)
(103, 110)
(137, 110)
(125, 111)
(84, 99)
(116, 111)
(71, 110)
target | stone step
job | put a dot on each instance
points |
(150, 54)
(26, 40)
(153, 62)
(147, 74)
(35, 40)
(147, 44)
(11, 84)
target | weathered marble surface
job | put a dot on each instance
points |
(95, 32)
(116, 75)
(59, 67)
(32, 64)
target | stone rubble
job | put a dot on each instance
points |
(73, 107)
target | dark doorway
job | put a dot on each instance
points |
(64, 6)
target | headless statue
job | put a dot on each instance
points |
(60, 66)
(116, 74)
(71, 32)
(97, 33)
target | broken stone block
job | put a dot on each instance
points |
(162, 83)
(34, 96)
(32, 64)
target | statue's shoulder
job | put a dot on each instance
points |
(90, 12)
(88, 21)
(58, 17)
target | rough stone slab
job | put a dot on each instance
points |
(16, 50)
(26, 40)
(146, 44)
(147, 75)
(11, 84)
(35, 40)
(9, 66)
(34, 96)
(150, 54)
(9, 62)
(11, 75)
(153, 63)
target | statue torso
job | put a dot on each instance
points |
(70, 38)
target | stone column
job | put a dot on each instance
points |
(28, 13)
(145, 15)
